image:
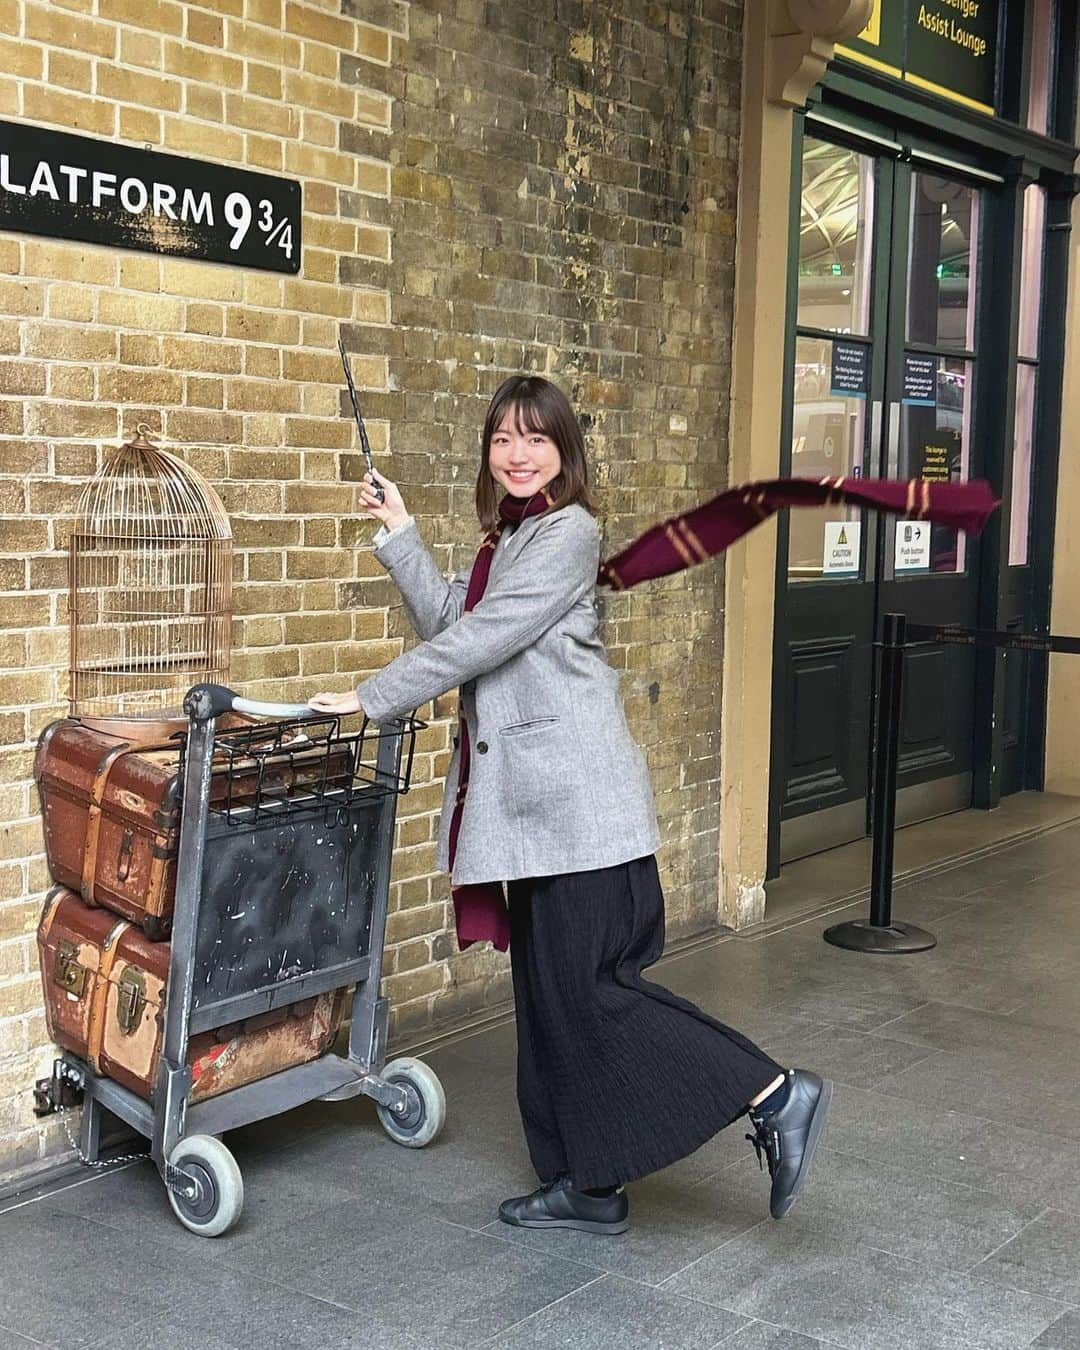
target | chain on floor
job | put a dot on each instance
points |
(99, 1163)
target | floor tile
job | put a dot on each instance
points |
(1028, 1169)
(1064, 1334)
(852, 1296)
(614, 1311)
(1044, 1258)
(671, 1225)
(873, 1204)
(763, 1336)
(385, 1259)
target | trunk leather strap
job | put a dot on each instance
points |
(95, 1037)
(93, 819)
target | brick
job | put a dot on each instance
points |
(19, 996)
(140, 311)
(401, 988)
(206, 319)
(75, 342)
(21, 377)
(185, 353)
(208, 30)
(262, 395)
(72, 382)
(261, 464)
(262, 326)
(138, 48)
(21, 59)
(71, 419)
(127, 385)
(306, 21)
(261, 114)
(190, 138)
(262, 362)
(265, 81)
(74, 303)
(200, 280)
(214, 68)
(138, 273)
(58, 28)
(202, 392)
(73, 112)
(204, 103)
(216, 427)
(21, 297)
(140, 349)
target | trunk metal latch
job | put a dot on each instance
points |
(67, 972)
(130, 999)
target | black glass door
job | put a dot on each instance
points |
(883, 382)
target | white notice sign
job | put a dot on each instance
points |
(912, 551)
(842, 548)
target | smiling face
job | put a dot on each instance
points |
(522, 459)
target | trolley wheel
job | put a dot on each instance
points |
(219, 1187)
(425, 1110)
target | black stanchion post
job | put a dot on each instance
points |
(881, 933)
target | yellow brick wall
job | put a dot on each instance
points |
(488, 187)
(236, 368)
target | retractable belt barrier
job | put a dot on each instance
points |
(881, 932)
(990, 637)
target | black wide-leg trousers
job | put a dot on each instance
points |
(617, 1076)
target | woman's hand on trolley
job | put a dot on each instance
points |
(341, 705)
(390, 512)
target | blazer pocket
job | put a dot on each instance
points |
(534, 724)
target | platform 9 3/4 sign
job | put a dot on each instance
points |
(74, 187)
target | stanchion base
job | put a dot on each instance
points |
(860, 936)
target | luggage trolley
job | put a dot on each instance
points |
(281, 895)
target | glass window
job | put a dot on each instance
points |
(1023, 444)
(935, 441)
(1031, 267)
(1042, 37)
(828, 438)
(941, 274)
(835, 238)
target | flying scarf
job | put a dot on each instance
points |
(681, 542)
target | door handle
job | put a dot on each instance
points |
(892, 449)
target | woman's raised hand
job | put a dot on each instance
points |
(390, 512)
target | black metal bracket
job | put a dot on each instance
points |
(60, 1092)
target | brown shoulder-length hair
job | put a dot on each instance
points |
(537, 405)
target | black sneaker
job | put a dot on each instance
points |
(558, 1205)
(788, 1138)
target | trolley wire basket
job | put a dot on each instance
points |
(305, 764)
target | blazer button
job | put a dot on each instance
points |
(481, 747)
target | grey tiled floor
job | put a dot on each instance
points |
(943, 1212)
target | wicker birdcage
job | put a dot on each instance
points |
(150, 586)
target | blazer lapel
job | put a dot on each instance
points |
(510, 544)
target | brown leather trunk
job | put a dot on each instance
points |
(104, 985)
(111, 813)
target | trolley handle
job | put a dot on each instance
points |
(206, 701)
(254, 708)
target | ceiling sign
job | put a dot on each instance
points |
(75, 187)
(946, 46)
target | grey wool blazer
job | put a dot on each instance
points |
(556, 782)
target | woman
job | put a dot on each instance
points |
(548, 793)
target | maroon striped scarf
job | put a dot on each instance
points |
(681, 542)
